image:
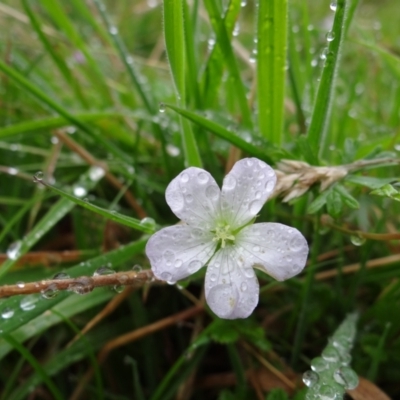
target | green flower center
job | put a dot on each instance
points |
(223, 234)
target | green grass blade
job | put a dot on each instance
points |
(271, 61)
(94, 73)
(39, 94)
(321, 113)
(174, 33)
(36, 366)
(224, 43)
(223, 133)
(112, 215)
(213, 72)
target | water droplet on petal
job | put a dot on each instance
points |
(256, 248)
(310, 378)
(213, 277)
(184, 177)
(255, 207)
(229, 182)
(249, 272)
(169, 256)
(222, 299)
(13, 250)
(243, 286)
(212, 192)
(202, 177)
(178, 263)
(28, 302)
(7, 313)
(194, 266)
(189, 198)
(166, 276)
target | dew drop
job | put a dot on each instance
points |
(148, 223)
(189, 198)
(255, 207)
(79, 191)
(118, 288)
(330, 36)
(327, 392)
(310, 378)
(178, 263)
(12, 171)
(333, 6)
(194, 266)
(357, 240)
(229, 183)
(243, 286)
(324, 54)
(71, 130)
(61, 275)
(82, 285)
(113, 30)
(258, 195)
(161, 108)
(50, 292)
(249, 272)
(28, 302)
(166, 276)
(103, 271)
(184, 177)
(96, 173)
(7, 313)
(38, 177)
(346, 377)
(213, 277)
(13, 250)
(202, 177)
(330, 354)
(296, 243)
(169, 256)
(136, 268)
(20, 284)
(212, 192)
(318, 364)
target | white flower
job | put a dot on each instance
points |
(218, 231)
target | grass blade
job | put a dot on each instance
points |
(323, 102)
(271, 60)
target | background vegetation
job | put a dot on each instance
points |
(81, 87)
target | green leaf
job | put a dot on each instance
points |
(277, 394)
(318, 202)
(271, 62)
(347, 197)
(387, 191)
(334, 203)
(222, 331)
(369, 181)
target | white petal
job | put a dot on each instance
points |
(245, 190)
(194, 197)
(179, 251)
(231, 290)
(278, 250)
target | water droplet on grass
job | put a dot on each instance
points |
(79, 191)
(347, 377)
(310, 378)
(357, 240)
(330, 36)
(50, 292)
(13, 250)
(61, 275)
(103, 271)
(7, 313)
(28, 302)
(96, 173)
(161, 108)
(20, 284)
(82, 285)
(333, 6)
(148, 222)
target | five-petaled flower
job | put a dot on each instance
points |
(218, 231)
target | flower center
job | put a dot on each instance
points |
(224, 234)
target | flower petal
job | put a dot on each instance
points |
(278, 250)
(179, 251)
(245, 190)
(194, 197)
(231, 290)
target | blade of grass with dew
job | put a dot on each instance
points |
(69, 307)
(224, 43)
(94, 73)
(56, 212)
(112, 215)
(213, 71)
(39, 94)
(271, 72)
(174, 33)
(21, 317)
(136, 79)
(36, 366)
(321, 113)
(223, 133)
(59, 61)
